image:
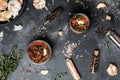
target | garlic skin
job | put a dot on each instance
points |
(1, 34)
(17, 27)
(101, 5)
(39, 4)
(112, 70)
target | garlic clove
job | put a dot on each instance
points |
(44, 72)
(108, 17)
(112, 70)
(1, 34)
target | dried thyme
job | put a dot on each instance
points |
(60, 75)
(9, 62)
(106, 45)
(81, 2)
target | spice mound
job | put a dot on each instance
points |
(39, 52)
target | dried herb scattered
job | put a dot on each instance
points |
(81, 2)
(106, 45)
(60, 75)
(8, 63)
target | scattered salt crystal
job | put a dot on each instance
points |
(1, 34)
(53, 2)
(78, 43)
(26, 71)
(63, 51)
(101, 5)
(84, 36)
(17, 27)
(69, 13)
(68, 0)
(81, 56)
(27, 9)
(69, 48)
(46, 8)
(61, 17)
(66, 55)
(77, 56)
(42, 29)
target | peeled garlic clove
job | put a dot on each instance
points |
(17, 27)
(112, 70)
(60, 33)
(45, 52)
(44, 72)
(101, 5)
(1, 34)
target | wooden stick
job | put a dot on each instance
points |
(95, 61)
(54, 14)
(114, 38)
(72, 69)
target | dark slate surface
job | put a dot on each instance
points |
(89, 41)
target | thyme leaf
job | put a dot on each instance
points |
(8, 63)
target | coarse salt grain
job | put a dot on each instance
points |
(42, 29)
(84, 36)
(69, 48)
(53, 2)
(17, 27)
(1, 34)
(81, 56)
(77, 56)
(68, 0)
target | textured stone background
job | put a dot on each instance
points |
(89, 41)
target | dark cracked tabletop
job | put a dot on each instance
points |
(32, 28)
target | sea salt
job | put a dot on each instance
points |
(69, 48)
(1, 34)
(17, 27)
